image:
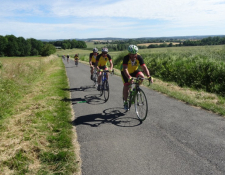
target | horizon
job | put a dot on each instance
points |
(68, 19)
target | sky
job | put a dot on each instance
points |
(82, 19)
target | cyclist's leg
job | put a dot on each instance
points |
(92, 69)
(100, 74)
(125, 90)
(125, 87)
(107, 75)
(99, 78)
(138, 73)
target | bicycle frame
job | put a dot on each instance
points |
(137, 97)
(104, 84)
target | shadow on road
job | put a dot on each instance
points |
(94, 99)
(115, 116)
(82, 88)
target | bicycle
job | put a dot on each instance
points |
(137, 97)
(104, 84)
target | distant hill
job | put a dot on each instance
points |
(194, 37)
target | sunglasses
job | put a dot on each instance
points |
(104, 53)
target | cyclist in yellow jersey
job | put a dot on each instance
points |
(76, 58)
(129, 69)
(92, 60)
(101, 61)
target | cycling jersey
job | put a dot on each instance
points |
(93, 57)
(132, 66)
(103, 60)
(76, 58)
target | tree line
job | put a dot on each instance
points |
(123, 44)
(69, 44)
(18, 46)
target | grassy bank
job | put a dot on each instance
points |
(36, 133)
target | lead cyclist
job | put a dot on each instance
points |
(129, 69)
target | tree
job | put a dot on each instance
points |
(12, 48)
(48, 49)
(3, 44)
(36, 46)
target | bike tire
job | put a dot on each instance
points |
(95, 79)
(129, 99)
(101, 90)
(106, 90)
(141, 105)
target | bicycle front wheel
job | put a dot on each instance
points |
(141, 105)
(106, 90)
(95, 79)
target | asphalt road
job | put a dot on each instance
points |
(175, 139)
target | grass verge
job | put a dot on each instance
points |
(37, 136)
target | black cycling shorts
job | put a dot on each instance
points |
(134, 74)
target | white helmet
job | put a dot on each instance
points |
(104, 49)
(95, 50)
(132, 49)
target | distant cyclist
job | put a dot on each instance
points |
(129, 69)
(101, 61)
(68, 58)
(92, 60)
(76, 58)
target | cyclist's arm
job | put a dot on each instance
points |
(125, 70)
(90, 62)
(145, 69)
(111, 64)
(147, 72)
(96, 64)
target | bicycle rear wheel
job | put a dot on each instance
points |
(106, 90)
(141, 105)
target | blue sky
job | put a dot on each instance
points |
(67, 19)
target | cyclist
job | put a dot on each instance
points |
(76, 58)
(92, 60)
(129, 69)
(101, 61)
(68, 58)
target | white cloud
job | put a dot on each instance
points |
(104, 18)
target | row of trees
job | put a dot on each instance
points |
(122, 45)
(69, 44)
(18, 46)
(206, 41)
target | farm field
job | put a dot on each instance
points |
(147, 44)
(92, 45)
(195, 49)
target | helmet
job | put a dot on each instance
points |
(76, 55)
(104, 49)
(95, 50)
(132, 49)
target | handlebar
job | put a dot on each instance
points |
(101, 70)
(140, 78)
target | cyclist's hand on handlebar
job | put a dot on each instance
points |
(150, 79)
(130, 80)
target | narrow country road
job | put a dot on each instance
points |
(175, 139)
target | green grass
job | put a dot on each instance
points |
(40, 120)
